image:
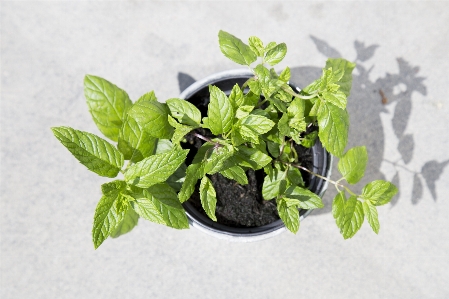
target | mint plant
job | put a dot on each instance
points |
(258, 126)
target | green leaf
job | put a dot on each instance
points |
(95, 153)
(353, 217)
(243, 111)
(283, 95)
(149, 96)
(220, 112)
(289, 215)
(177, 178)
(256, 45)
(370, 212)
(127, 224)
(236, 97)
(342, 70)
(152, 117)
(338, 98)
(379, 192)
(283, 126)
(216, 161)
(270, 46)
(235, 173)
(251, 99)
(180, 130)
(193, 174)
(185, 112)
(113, 188)
(163, 145)
(135, 143)
(276, 54)
(256, 124)
(296, 108)
(309, 140)
(109, 213)
(267, 84)
(305, 199)
(333, 124)
(208, 198)
(251, 157)
(294, 177)
(338, 208)
(234, 49)
(155, 169)
(160, 204)
(107, 103)
(285, 75)
(274, 184)
(352, 165)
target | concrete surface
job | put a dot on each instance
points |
(48, 199)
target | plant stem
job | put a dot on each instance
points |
(337, 184)
(298, 95)
(207, 139)
(395, 164)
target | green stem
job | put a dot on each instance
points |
(289, 91)
(207, 139)
(337, 184)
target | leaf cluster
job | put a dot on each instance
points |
(258, 126)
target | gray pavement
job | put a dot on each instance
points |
(48, 199)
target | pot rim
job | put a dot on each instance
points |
(247, 236)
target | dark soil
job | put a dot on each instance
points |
(237, 205)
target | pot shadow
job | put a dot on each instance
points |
(368, 100)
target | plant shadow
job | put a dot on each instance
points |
(369, 98)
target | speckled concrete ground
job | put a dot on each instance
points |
(48, 199)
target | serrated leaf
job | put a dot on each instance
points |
(309, 140)
(283, 126)
(342, 70)
(107, 104)
(285, 75)
(305, 199)
(163, 145)
(257, 124)
(185, 112)
(113, 188)
(155, 169)
(149, 96)
(256, 45)
(180, 130)
(243, 111)
(134, 143)
(289, 215)
(109, 212)
(220, 112)
(234, 49)
(296, 108)
(251, 157)
(251, 99)
(216, 161)
(274, 184)
(236, 97)
(95, 153)
(208, 198)
(294, 177)
(129, 221)
(177, 178)
(270, 46)
(379, 192)
(255, 88)
(267, 84)
(166, 201)
(370, 212)
(353, 217)
(312, 87)
(160, 204)
(193, 174)
(146, 208)
(352, 165)
(283, 95)
(276, 54)
(333, 124)
(338, 208)
(235, 173)
(152, 116)
(337, 98)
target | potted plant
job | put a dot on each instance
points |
(242, 133)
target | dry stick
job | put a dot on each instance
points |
(207, 139)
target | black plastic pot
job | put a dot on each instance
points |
(198, 94)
